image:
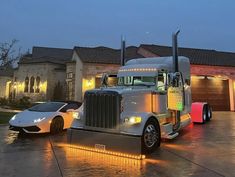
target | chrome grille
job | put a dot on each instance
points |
(102, 109)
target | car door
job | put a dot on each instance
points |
(68, 116)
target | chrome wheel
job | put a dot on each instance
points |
(150, 136)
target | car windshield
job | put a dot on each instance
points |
(47, 107)
(136, 81)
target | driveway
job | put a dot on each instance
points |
(199, 150)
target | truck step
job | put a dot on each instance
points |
(172, 135)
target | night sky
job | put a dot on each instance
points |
(205, 24)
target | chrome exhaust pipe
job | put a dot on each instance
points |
(175, 50)
(123, 51)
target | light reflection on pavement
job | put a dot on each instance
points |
(200, 150)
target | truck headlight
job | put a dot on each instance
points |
(39, 119)
(133, 120)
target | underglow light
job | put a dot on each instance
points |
(137, 157)
(138, 70)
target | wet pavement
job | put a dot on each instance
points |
(200, 150)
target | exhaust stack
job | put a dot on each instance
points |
(123, 51)
(175, 51)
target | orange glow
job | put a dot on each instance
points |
(176, 147)
(111, 164)
(138, 69)
(88, 84)
(106, 152)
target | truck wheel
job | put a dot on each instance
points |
(57, 125)
(209, 112)
(151, 137)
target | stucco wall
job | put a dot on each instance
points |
(70, 77)
(91, 69)
(213, 70)
(48, 77)
(78, 77)
(88, 71)
(4, 91)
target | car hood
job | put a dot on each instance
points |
(27, 117)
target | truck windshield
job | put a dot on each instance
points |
(136, 81)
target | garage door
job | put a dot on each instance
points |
(214, 91)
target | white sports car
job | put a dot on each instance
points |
(46, 117)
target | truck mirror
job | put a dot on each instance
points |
(104, 80)
(175, 79)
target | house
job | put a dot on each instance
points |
(42, 74)
(56, 74)
(213, 74)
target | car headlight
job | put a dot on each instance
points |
(39, 119)
(14, 117)
(133, 120)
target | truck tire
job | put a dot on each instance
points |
(209, 112)
(57, 125)
(151, 137)
(204, 114)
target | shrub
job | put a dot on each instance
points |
(22, 103)
(3, 101)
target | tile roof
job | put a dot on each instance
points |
(105, 55)
(45, 54)
(196, 56)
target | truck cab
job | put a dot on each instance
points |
(139, 111)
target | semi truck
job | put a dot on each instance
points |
(151, 101)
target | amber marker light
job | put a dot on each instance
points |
(107, 152)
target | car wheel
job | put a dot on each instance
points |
(151, 137)
(57, 125)
(209, 112)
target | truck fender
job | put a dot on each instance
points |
(200, 112)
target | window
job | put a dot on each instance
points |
(137, 81)
(47, 107)
(26, 85)
(70, 106)
(31, 85)
(69, 75)
(161, 81)
(37, 84)
(70, 90)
